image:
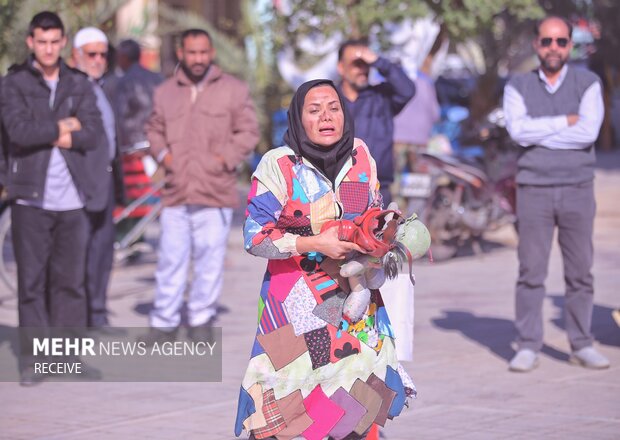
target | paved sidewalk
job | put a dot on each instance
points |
(463, 334)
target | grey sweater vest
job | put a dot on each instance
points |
(545, 166)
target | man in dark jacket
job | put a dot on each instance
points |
(134, 105)
(90, 50)
(51, 118)
(374, 107)
(134, 96)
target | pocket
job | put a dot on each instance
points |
(215, 127)
(175, 128)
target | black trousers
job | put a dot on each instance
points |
(99, 262)
(50, 252)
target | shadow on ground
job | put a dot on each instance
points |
(604, 327)
(468, 249)
(496, 334)
(144, 309)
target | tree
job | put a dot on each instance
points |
(498, 26)
(350, 18)
(357, 18)
(16, 14)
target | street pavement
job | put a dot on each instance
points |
(462, 342)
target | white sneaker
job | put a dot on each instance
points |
(589, 357)
(525, 360)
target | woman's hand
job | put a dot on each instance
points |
(328, 244)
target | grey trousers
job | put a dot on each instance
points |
(540, 209)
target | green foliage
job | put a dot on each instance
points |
(351, 18)
(356, 18)
(229, 55)
(8, 11)
(467, 18)
(16, 14)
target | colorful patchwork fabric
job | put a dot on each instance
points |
(387, 397)
(257, 419)
(353, 414)
(245, 408)
(366, 329)
(354, 197)
(342, 344)
(324, 413)
(275, 421)
(321, 285)
(321, 211)
(273, 342)
(284, 275)
(299, 305)
(296, 420)
(319, 344)
(273, 314)
(311, 373)
(371, 400)
(330, 310)
(395, 383)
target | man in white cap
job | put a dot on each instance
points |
(90, 52)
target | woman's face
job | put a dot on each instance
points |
(322, 116)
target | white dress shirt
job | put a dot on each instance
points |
(553, 131)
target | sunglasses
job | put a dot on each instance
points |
(546, 42)
(94, 55)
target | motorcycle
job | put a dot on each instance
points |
(461, 196)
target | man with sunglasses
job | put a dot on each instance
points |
(555, 114)
(90, 55)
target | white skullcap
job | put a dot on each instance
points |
(89, 35)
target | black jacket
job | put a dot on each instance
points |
(32, 127)
(115, 167)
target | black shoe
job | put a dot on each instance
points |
(157, 336)
(29, 377)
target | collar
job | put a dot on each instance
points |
(360, 93)
(213, 74)
(552, 88)
(299, 159)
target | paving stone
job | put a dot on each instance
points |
(463, 334)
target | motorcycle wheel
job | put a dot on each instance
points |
(444, 240)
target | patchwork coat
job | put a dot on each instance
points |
(311, 373)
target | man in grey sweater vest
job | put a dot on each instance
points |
(555, 113)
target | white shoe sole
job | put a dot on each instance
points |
(524, 370)
(576, 361)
